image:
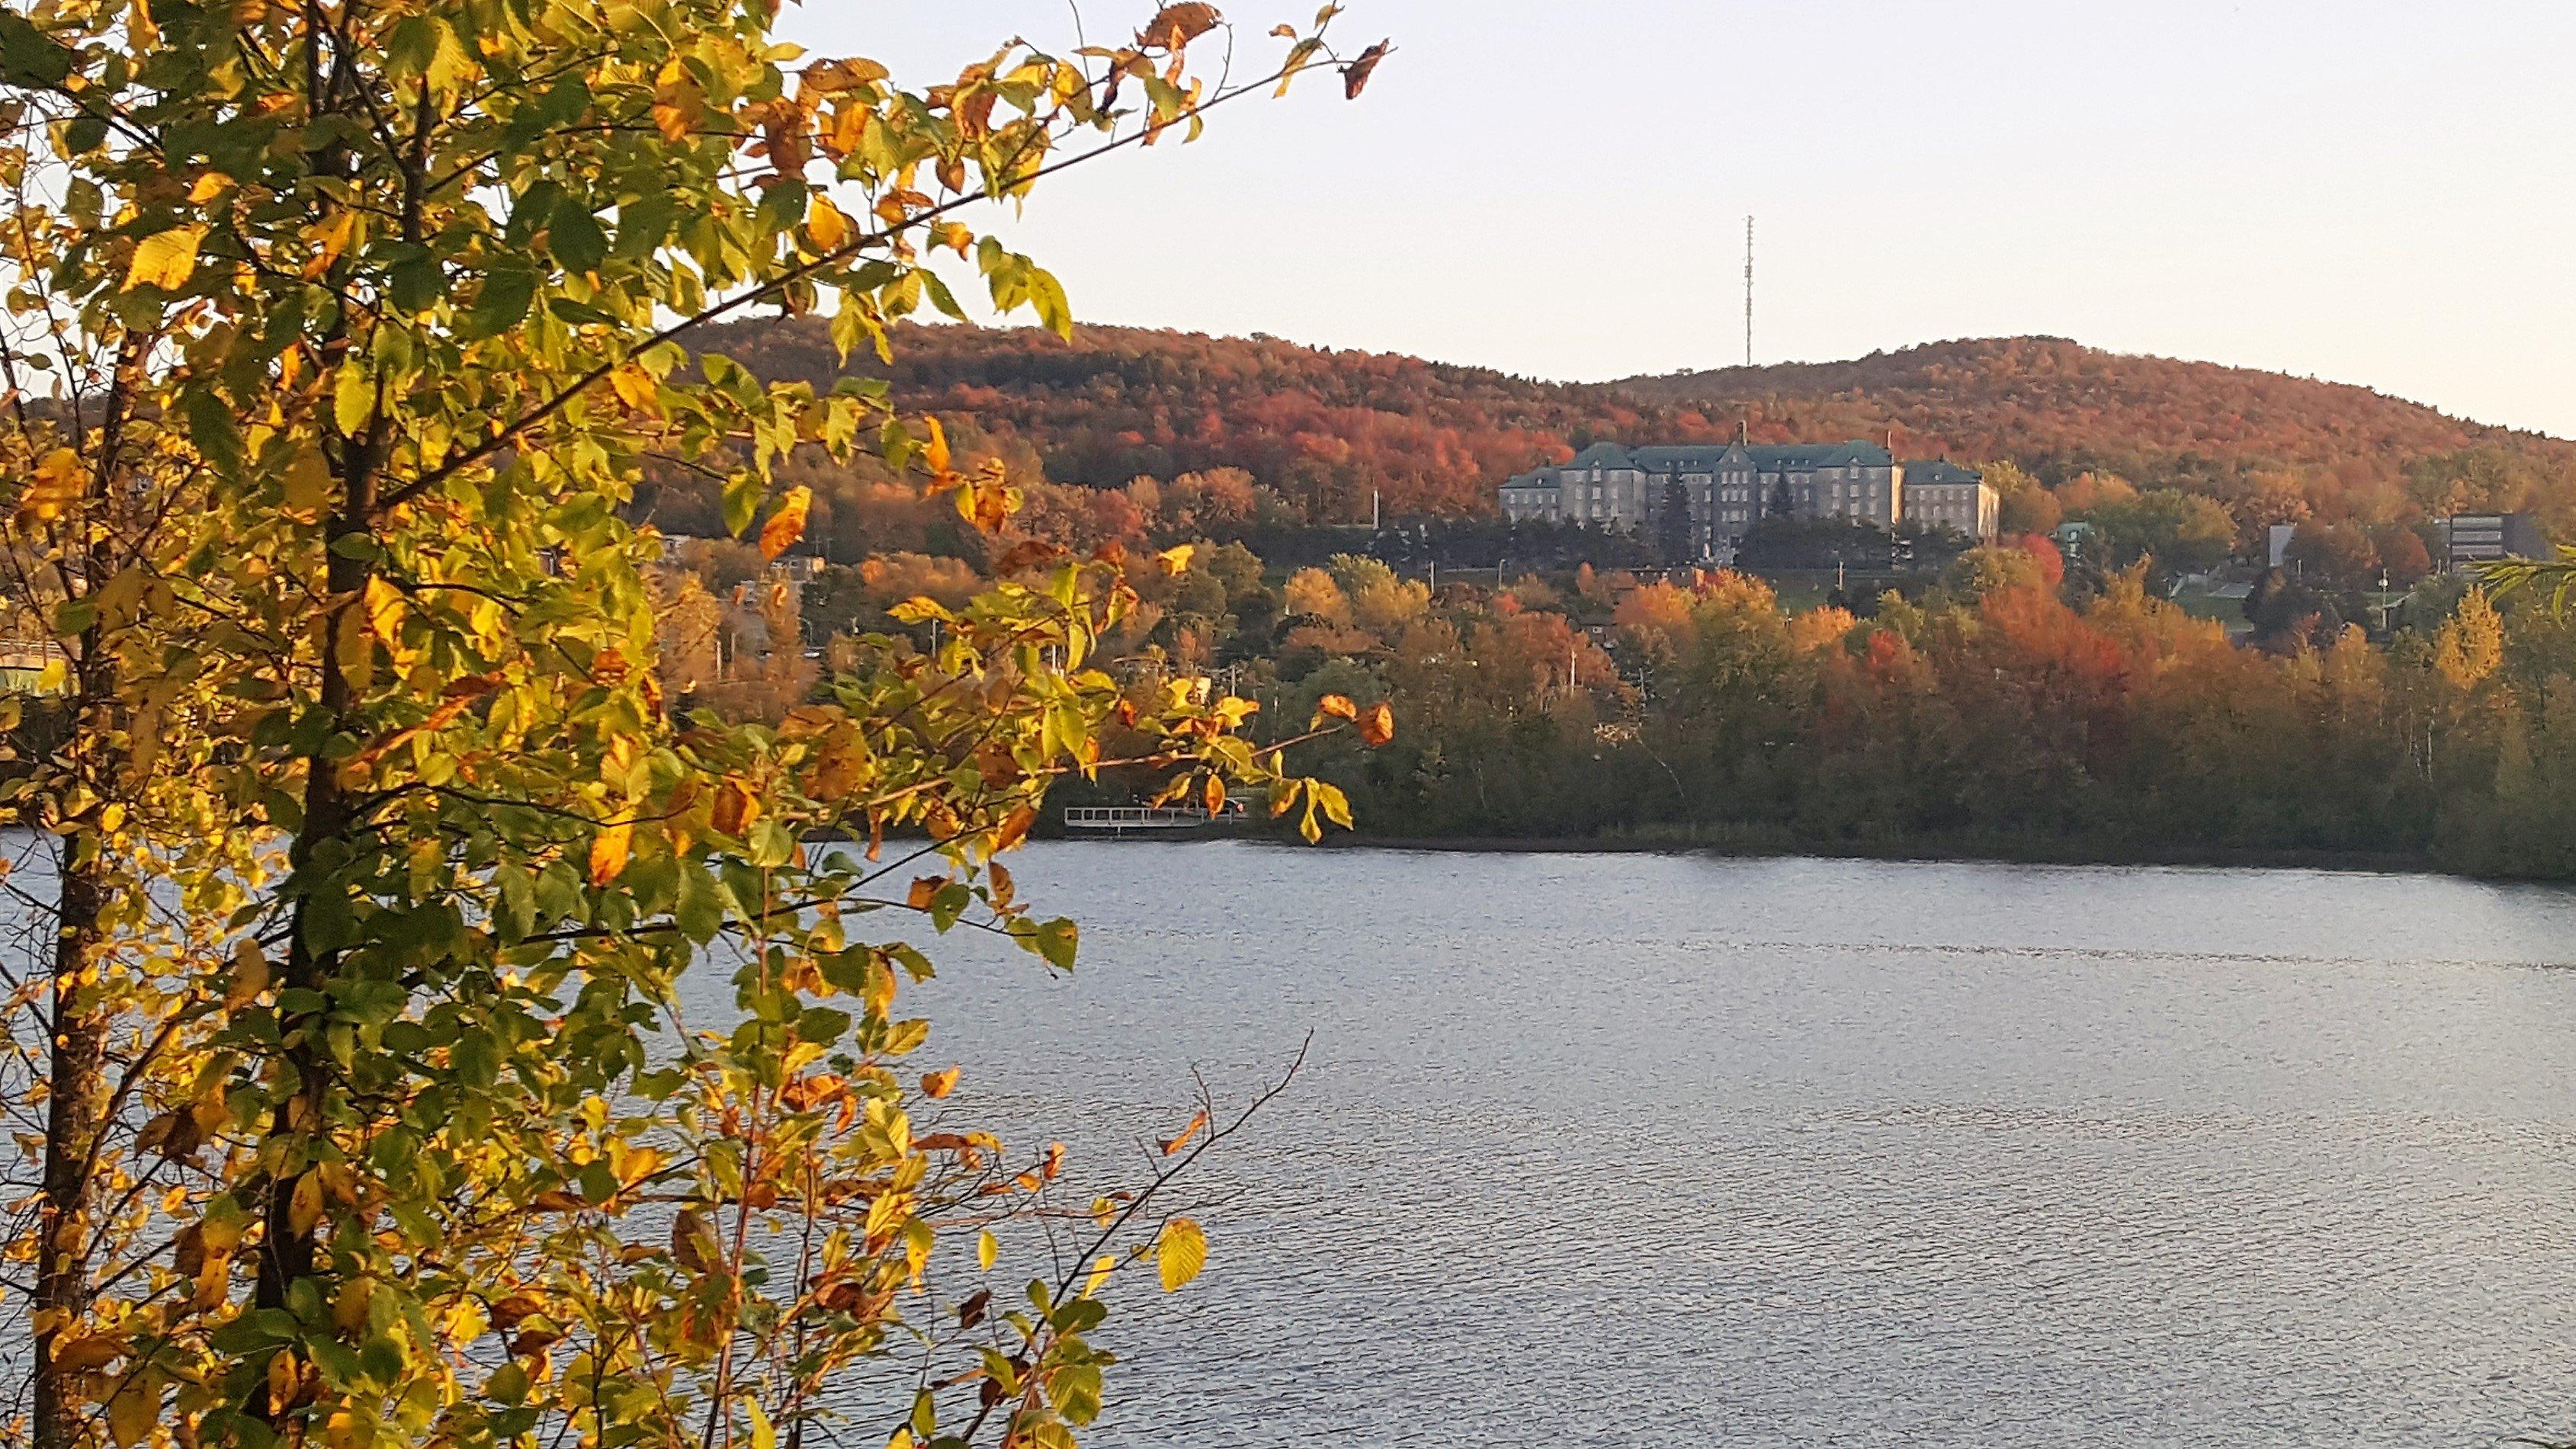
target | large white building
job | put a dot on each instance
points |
(1729, 487)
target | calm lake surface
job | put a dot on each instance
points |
(1630, 1149)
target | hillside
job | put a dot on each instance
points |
(1323, 428)
(2059, 408)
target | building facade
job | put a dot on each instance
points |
(2474, 538)
(1941, 494)
(1729, 487)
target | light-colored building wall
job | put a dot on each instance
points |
(1969, 508)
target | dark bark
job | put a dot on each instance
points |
(73, 1120)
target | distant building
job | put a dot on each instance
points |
(2484, 537)
(1941, 494)
(1726, 487)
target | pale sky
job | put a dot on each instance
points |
(2368, 191)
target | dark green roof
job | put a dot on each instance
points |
(1941, 470)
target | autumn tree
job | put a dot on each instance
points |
(401, 300)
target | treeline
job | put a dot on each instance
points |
(1991, 715)
(2008, 706)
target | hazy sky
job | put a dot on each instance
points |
(2380, 193)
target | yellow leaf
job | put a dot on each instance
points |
(786, 523)
(939, 1084)
(608, 852)
(89, 1352)
(250, 975)
(60, 479)
(385, 611)
(281, 1381)
(935, 452)
(825, 223)
(304, 1208)
(677, 101)
(349, 1309)
(209, 186)
(134, 1410)
(1180, 1252)
(165, 259)
(1101, 1267)
(308, 485)
(1176, 561)
(329, 238)
(636, 388)
(986, 1250)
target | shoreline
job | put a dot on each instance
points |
(2361, 862)
(2065, 853)
(2069, 854)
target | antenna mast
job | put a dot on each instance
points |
(1748, 291)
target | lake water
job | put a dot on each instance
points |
(1633, 1149)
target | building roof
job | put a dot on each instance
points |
(1940, 470)
(1603, 455)
(1700, 457)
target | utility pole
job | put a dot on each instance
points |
(1748, 291)
(1372, 510)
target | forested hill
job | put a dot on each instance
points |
(1323, 428)
(2058, 407)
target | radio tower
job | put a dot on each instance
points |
(1748, 291)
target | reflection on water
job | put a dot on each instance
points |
(1647, 1150)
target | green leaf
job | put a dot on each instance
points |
(534, 209)
(783, 205)
(742, 494)
(416, 282)
(822, 1025)
(502, 302)
(1057, 941)
(575, 238)
(699, 911)
(212, 429)
(642, 225)
(28, 56)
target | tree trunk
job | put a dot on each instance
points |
(72, 1126)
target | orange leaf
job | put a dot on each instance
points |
(939, 1084)
(925, 889)
(935, 452)
(786, 523)
(608, 852)
(1015, 827)
(735, 808)
(1336, 706)
(1177, 25)
(1171, 1145)
(1377, 725)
